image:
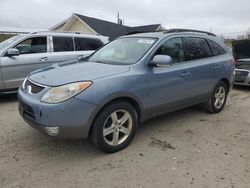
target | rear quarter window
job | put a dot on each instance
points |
(216, 48)
(62, 44)
(82, 44)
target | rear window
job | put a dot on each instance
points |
(196, 48)
(62, 44)
(216, 48)
(82, 44)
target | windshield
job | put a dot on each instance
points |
(9, 41)
(123, 51)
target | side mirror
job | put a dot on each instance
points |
(12, 52)
(161, 61)
(83, 57)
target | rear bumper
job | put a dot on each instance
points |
(72, 118)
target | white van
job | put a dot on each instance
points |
(25, 53)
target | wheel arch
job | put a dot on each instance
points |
(227, 82)
(134, 101)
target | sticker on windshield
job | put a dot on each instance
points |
(145, 41)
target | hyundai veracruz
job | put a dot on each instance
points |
(130, 80)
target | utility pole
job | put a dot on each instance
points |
(119, 20)
(118, 17)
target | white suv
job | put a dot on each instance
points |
(25, 53)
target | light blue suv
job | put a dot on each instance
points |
(130, 80)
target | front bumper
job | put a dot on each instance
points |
(73, 117)
(242, 77)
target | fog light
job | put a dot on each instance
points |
(53, 131)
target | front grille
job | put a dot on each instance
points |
(241, 73)
(34, 88)
(241, 76)
(26, 111)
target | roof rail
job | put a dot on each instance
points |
(35, 32)
(54, 32)
(187, 30)
(72, 32)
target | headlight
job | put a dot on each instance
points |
(65, 92)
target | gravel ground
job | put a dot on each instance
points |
(188, 148)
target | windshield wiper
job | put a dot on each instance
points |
(98, 61)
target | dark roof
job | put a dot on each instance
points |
(145, 28)
(114, 30)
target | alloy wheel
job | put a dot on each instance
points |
(117, 127)
(219, 97)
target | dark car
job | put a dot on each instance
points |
(242, 67)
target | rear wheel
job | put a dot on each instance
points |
(115, 127)
(218, 99)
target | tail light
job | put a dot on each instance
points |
(233, 62)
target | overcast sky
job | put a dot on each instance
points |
(223, 16)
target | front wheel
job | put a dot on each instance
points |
(218, 99)
(115, 127)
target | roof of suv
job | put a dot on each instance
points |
(182, 32)
(164, 33)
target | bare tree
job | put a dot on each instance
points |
(240, 37)
(248, 33)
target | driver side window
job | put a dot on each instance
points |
(33, 45)
(172, 48)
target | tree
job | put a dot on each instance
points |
(248, 33)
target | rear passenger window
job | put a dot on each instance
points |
(216, 48)
(196, 48)
(62, 44)
(82, 44)
(173, 48)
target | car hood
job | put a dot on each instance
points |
(59, 74)
(241, 49)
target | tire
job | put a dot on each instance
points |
(217, 101)
(115, 127)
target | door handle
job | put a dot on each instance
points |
(185, 74)
(80, 57)
(43, 59)
(217, 67)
